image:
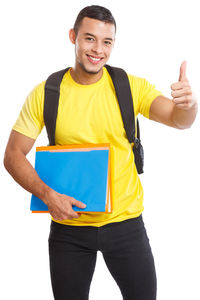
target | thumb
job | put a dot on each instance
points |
(182, 76)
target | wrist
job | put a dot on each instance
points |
(47, 194)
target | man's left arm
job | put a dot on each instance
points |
(180, 112)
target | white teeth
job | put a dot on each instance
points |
(95, 59)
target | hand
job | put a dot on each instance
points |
(181, 91)
(60, 206)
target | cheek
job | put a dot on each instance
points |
(108, 51)
(80, 49)
(77, 49)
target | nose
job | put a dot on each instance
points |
(97, 47)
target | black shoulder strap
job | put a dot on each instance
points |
(51, 101)
(124, 96)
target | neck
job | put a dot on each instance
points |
(83, 77)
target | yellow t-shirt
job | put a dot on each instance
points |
(91, 114)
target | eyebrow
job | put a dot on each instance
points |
(94, 36)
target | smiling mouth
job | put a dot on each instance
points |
(94, 59)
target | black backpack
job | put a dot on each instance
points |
(123, 93)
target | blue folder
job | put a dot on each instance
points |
(80, 173)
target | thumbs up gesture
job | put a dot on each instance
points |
(181, 90)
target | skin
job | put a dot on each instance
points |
(180, 112)
(94, 39)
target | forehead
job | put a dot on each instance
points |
(97, 28)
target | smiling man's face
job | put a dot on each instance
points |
(93, 44)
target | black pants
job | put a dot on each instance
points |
(126, 251)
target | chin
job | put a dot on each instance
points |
(91, 71)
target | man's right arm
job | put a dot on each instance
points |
(16, 163)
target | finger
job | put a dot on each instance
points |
(78, 203)
(179, 85)
(182, 92)
(74, 214)
(67, 216)
(183, 106)
(182, 76)
(182, 100)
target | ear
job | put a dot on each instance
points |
(72, 36)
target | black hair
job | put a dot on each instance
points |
(94, 12)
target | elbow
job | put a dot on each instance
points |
(6, 160)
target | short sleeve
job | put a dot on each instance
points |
(144, 93)
(148, 93)
(30, 120)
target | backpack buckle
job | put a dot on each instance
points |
(136, 142)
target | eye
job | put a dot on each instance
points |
(108, 43)
(90, 39)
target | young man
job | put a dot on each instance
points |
(89, 113)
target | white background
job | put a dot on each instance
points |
(153, 38)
